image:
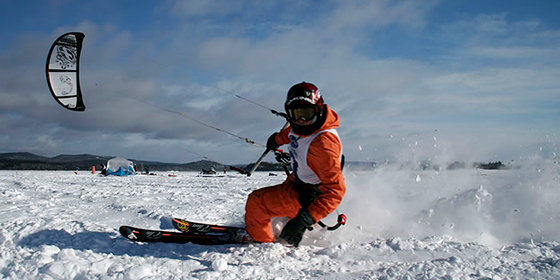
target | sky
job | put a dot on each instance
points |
(172, 81)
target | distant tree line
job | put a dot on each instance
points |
(493, 165)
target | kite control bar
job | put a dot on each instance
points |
(341, 221)
(263, 155)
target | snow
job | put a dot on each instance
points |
(402, 224)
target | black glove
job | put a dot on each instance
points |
(294, 229)
(271, 143)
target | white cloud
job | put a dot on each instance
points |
(211, 51)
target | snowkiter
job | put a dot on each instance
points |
(316, 187)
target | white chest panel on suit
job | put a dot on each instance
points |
(299, 147)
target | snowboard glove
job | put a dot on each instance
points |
(295, 228)
(271, 143)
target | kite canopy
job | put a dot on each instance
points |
(120, 167)
(63, 64)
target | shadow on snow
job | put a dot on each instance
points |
(114, 243)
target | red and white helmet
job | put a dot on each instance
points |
(305, 108)
(304, 104)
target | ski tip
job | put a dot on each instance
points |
(126, 231)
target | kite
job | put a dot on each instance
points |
(63, 65)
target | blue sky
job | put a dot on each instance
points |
(411, 80)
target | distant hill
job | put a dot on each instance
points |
(29, 161)
(21, 156)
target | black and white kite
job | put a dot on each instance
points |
(63, 68)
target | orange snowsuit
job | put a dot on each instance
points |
(285, 200)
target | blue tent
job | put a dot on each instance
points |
(120, 167)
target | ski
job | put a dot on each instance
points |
(208, 238)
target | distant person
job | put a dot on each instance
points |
(316, 187)
(103, 170)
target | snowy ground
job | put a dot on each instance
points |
(465, 224)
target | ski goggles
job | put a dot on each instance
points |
(305, 113)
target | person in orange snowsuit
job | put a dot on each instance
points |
(316, 187)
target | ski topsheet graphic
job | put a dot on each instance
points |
(198, 228)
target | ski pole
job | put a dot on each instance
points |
(263, 155)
